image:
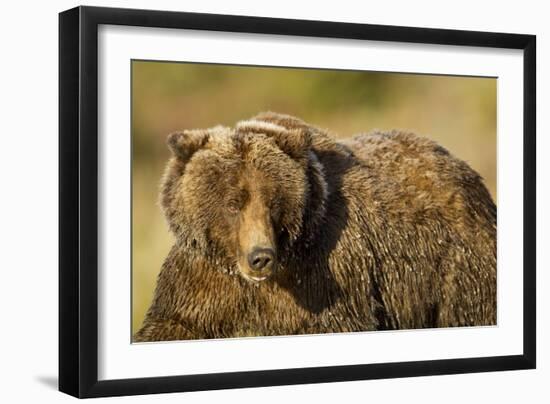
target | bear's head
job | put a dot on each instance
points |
(239, 195)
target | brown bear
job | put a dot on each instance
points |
(282, 230)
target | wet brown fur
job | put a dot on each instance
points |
(384, 231)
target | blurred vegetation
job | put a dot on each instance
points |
(457, 112)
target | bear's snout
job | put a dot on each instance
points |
(261, 259)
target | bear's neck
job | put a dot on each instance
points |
(316, 206)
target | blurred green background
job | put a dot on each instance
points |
(457, 112)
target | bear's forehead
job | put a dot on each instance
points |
(245, 147)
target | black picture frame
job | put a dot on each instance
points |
(78, 201)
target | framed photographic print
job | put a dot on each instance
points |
(251, 201)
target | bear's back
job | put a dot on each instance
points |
(409, 173)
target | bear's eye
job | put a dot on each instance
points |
(233, 207)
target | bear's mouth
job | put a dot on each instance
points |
(254, 277)
(258, 278)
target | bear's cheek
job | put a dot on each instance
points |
(223, 234)
(290, 217)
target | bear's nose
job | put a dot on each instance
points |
(261, 259)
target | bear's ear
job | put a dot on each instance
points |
(286, 121)
(184, 144)
(294, 142)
